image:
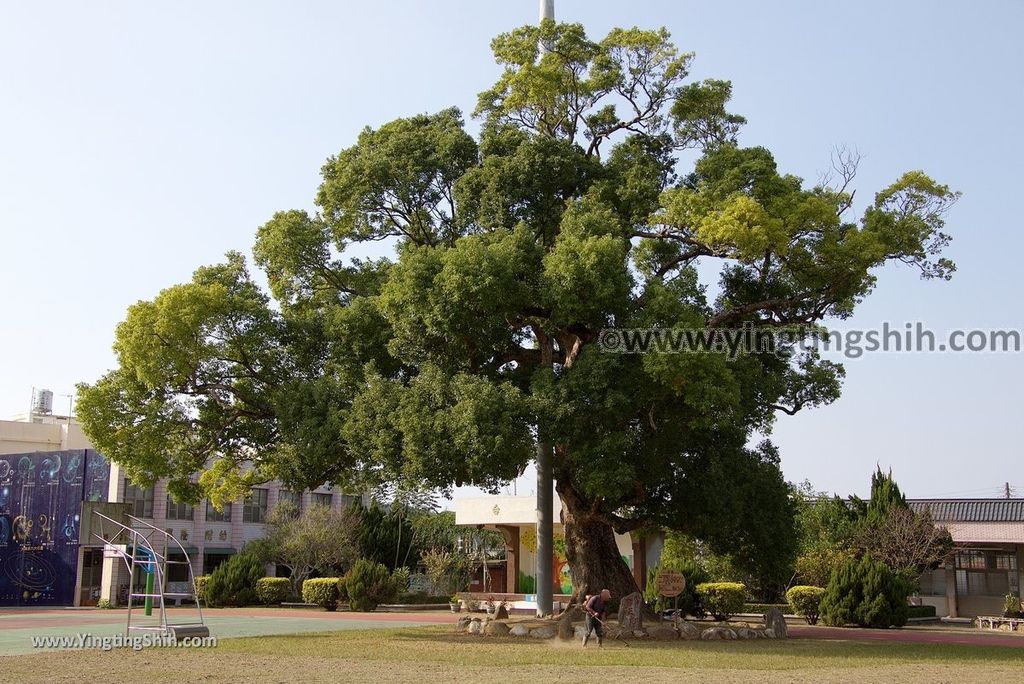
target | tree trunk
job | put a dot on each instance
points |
(595, 562)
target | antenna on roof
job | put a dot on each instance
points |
(1007, 490)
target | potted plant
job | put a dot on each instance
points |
(453, 603)
(490, 606)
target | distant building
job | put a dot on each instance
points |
(516, 518)
(48, 469)
(989, 554)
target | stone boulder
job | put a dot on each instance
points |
(775, 621)
(566, 620)
(768, 633)
(475, 627)
(495, 628)
(501, 613)
(463, 624)
(631, 612)
(664, 634)
(545, 632)
(687, 630)
(748, 633)
(717, 633)
(519, 630)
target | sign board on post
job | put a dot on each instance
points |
(670, 583)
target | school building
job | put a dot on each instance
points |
(49, 476)
(986, 563)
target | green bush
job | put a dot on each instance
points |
(865, 593)
(806, 602)
(272, 590)
(401, 577)
(323, 591)
(343, 588)
(104, 603)
(651, 595)
(369, 584)
(200, 587)
(688, 602)
(921, 611)
(722, 599)
(527, 583)
(233, 583)
(1012, 606)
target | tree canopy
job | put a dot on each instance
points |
(601, 177)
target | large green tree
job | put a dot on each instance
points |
(600, 179)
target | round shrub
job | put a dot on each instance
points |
(323, 591)
(722, 599)
(272, 590)
(369, 584)
(233, 583)
(806, 602)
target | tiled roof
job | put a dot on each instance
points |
(971, 510)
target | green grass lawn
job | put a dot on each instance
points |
(436, 654)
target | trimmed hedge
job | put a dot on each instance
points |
(272, 590)
(806, 601)
(921, 612)
(722, 599)
(764, 607)
(323, 591)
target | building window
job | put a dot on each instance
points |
(213, 515)
(178, 511)
(140, 498)
(986, 573)
(347, 500)
(294, 499)
(254, 509)
(933, 583)
(212, 560)
(177, 568)
(321, 499)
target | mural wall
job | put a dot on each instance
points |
(560, 571)
(41, 497)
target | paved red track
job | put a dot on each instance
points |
(16, 618)
(20, 618)
(912, 635)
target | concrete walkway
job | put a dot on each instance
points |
(19, 625)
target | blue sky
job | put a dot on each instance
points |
(138, 142)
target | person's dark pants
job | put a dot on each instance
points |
(595, 626)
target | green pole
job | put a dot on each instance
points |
(149, 594)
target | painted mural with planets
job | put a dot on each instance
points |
(41, 497)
